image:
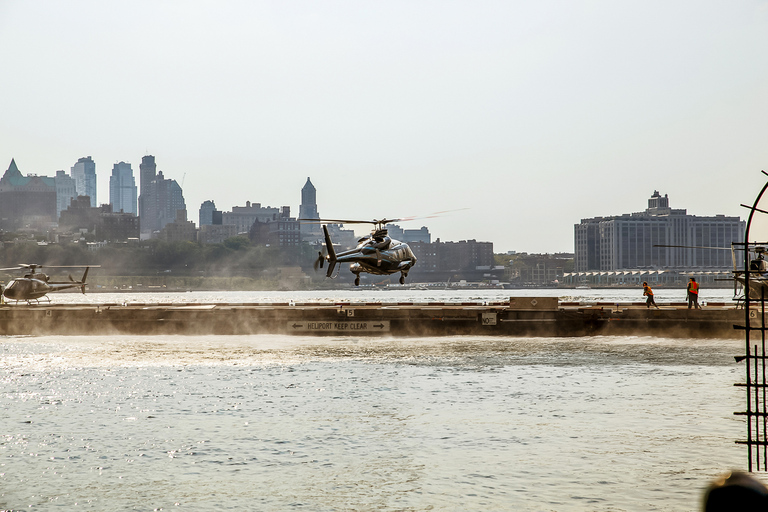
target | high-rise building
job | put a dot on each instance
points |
(147, 200)
(170, 200)
(308, 210)
(84, 174)
(308, 207)
(641, 241)
(65, 191)
(160, 198)
(122, 189)
(207, 210)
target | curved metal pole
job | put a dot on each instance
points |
(750, 413)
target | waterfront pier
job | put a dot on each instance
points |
(519, 316)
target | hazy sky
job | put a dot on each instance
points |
(531, 114)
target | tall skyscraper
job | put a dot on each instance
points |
(308, 207)
(122, 189)
(84, 174)
(207, 210)
(147, 206)
(308, 210)
(160, 198)
(65, 191)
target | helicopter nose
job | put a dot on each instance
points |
(12, 291)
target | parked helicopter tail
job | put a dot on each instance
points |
(82, 282)
(331, 253)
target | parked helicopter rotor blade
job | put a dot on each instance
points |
(693, 247)
(36, 266)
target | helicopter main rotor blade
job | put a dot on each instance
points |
(431, 215)
(383, 221)
(340, 221)
(35, 265)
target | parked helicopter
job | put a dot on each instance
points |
(35, 285)
(758, 267)
(376, 253)
(758, 273)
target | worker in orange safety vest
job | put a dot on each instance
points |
(693, 293)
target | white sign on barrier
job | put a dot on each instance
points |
(489, 319)
(345, 326)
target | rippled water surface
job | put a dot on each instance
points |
(276, 423)
(389, 295)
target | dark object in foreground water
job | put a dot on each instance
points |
(735, 492)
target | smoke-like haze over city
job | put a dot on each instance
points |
(528, 116)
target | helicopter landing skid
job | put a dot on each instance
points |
(30, 302)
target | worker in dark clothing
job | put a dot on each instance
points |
(693, 293)
(649, 293)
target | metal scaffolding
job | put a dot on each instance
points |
(754, 278)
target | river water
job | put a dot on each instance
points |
(273, 422)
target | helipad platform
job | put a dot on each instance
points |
(519, 316)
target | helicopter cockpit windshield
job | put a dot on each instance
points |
(759, 264)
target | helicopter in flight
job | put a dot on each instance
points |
(376, 253)
(35, 285)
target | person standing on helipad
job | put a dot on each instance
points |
(693, 293)
(649, 293)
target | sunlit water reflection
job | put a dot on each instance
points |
(387, 295)
(277, 422)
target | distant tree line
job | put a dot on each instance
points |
(235, 257)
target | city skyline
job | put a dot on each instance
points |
(531, 116)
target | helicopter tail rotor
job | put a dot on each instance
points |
(319, 261)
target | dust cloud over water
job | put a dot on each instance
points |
(272, 422)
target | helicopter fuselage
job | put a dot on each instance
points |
(375, 254)
(382, 257)
(36, 285)
(28, 288)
